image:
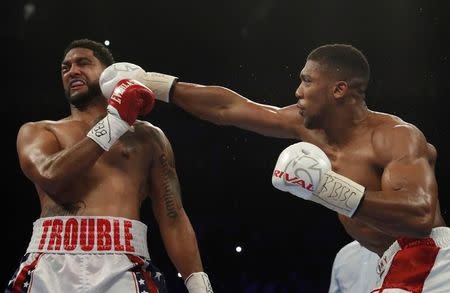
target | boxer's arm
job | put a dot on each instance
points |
(47, 164)
(216, 104)
(176, 230)
(223, 106)
(406, 204)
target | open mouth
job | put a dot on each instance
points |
(76, 84)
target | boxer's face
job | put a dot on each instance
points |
(80, 71)
(314, 94)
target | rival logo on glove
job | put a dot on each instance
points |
(293, 180)
(301, 175)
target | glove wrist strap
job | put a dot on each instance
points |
(108, 130)
(160, 84)
(339, 193)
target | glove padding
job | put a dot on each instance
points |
(304, 170)
(129, 99)
(198, 283)
(159, 83)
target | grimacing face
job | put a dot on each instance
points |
(80, 71)
(314, 94)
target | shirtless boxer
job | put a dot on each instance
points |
(92, 170)
(374, 169)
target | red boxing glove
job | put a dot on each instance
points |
(129, 99)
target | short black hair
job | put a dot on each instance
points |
(101, 52)
(346, 61)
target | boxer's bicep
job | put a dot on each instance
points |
(35, 145)
(407, 166)
(408, 184)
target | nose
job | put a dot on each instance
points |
(299, 92)
(74, 70)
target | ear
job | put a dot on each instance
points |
(340, 89)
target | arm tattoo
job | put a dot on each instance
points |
(171, 188)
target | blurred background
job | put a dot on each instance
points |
(256, 48)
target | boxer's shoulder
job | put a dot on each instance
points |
(147, 128)
(63, 126)
(52, 124)
(148, 134)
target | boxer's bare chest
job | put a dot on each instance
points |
(357, 161)
(122, 171)
(132, 148)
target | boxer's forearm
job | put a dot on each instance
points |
(55, 173)
(45, 162)
(206, 102)
(181, 245)
(397, 213)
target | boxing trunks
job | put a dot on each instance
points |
(354, 270)
(87, 254)
(416, 265)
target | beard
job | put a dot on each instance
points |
(311, 122)
(318, 118)
(82, 99)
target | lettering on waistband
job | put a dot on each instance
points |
(86, 234)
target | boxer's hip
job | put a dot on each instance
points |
(417, 265)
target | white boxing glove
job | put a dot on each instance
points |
(198, 283)
(159, 83)
(304, 170)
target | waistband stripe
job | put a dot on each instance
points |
(89, 235)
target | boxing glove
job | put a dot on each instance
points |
(129, 99)
(159, 83)
(304, 170)
(198, 283)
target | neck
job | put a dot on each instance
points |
(91, 112)
(344, 120)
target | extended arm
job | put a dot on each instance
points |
(216, 104)
(176, 230)
(406, 204)
(225, 107)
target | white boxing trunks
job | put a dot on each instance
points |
(416, 265)
(354, 270)
(87, 254)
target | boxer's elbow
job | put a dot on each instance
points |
(43, 177)
(423, 213)
(51, 182)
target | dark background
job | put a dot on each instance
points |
(256, 48)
